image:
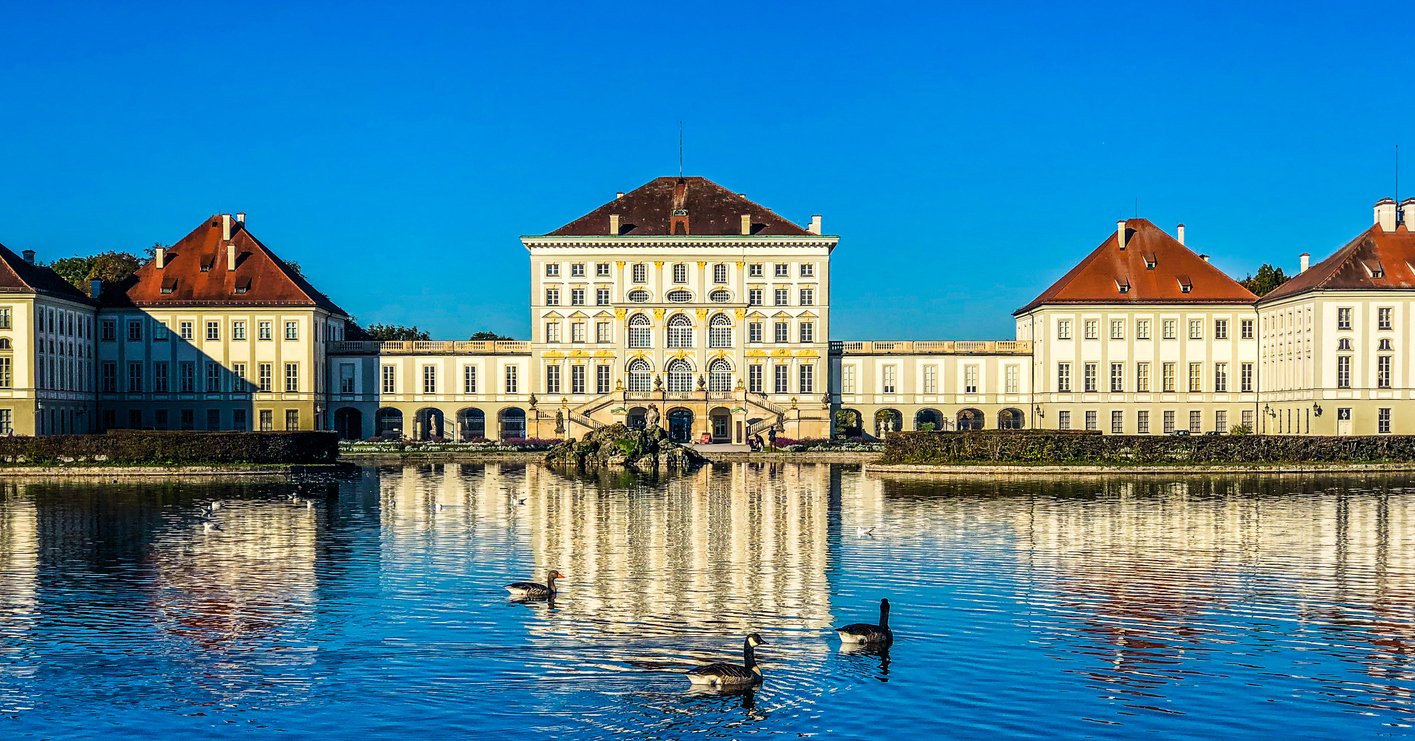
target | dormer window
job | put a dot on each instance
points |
(1150, 261)
(169, 285)
(206, 263)
(243, 284)
(1185, 285)
(1374, 268)
(1122, 285)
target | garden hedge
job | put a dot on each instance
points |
(159, 448)
(1042, 448)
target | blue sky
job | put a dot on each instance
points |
(968, 155)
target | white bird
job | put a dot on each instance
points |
(207, 526)
(309, 504)
(861, 532)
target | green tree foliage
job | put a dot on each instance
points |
(397, 332)
(109, 267)
(73, 269)
(1266, 280)
(485, 336)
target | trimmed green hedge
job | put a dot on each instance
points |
(1042, 448)
(153, 448)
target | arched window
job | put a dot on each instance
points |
(639, 334)
(680, 331)
(680, 296)
(720, 375)
(720, 297)
(4, 343)
(720, 331)
(639, 379)
(638, 296)
(680, 376)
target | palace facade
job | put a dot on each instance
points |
(689, 302)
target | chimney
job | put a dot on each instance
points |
(95, 287)
(614, 225)
(1205, 258)
(618, 195)
(746, 224)
(240, 217)
(1385, 214)
(1407, 214)
(1120, 233)
(231, 258)
(28, 255)
(1304, 260)
(1179, 233)
(815, 227)
(225, 227)
(160, 257)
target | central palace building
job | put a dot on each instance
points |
(687, 302)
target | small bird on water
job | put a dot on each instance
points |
(864, 633)
(534, 590)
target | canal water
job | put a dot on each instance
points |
(1166, 606)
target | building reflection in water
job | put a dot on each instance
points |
(19, 606)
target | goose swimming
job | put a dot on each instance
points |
(532, 590)
(728, 675)
(866, 633)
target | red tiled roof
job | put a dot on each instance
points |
(264, 279)
(1154, 268)
(18, 275)
(711, 210)
(1376, 259)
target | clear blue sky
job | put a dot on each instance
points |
(968, 155)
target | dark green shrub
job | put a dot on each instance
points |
(154, 448)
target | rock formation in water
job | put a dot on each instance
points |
(618, 447)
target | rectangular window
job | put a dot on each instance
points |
(552, 331)
(601, 297)
(1383, 315)
(601, 269)
(577, 270)
(108, 329)
(1196, 375)
(1220, 378)
(292, 420)
(808, 297)
(1011, 379)
(1343, 317)
(1063, 377)
(429, 379)
(782, 270)
(782, 332)
(1196, 329)
(754, 332)
(1221, 420)
(552, 297)
(1383, 420)
(109, 378)
(577, 297)
(1063, 420)
(887, 376)
(1090, 378)
(754, 270)
(808, 332)
(1170, 328)
(1142, 422)
(719, 273)
(1245, 378)
(160, 377)
(1063, 329)
(7, 372)
(1343, 371)
(577, 332)
(469, 379)
(512, 382)
(1169, 422)
(1117, 423)
(134, 331)
(847, 379)
(1142, 329)
(1092, 421)
(266, 380)
(159, 419)
(552, 379)
(263, 330)
(754, 297)
(1248, 416)
(1220, 329)
(808, 270)
(807, 379)
(267, 420)
(601, 373)
(1142, 378)
(640, 273)
(1117, 378)
(577, 379)
(189, 377)
(680, 273)
(781, 370)
(1092, 328)
(754, 378)
(346, 378)
(292, 330)
(184, 330)
(970, 379)
(7, 420)
(930, 379)
(213, 419)
(238, 371)
(552, 269)
(213, 331)
(1167, 372)
(213, 377)
(1117, 329)
(1245, 329)
(238, 330)
(601, 332)
(782, 296)
(188, 419)
(292, 377)
(5, 321)
(388, 380)
(1383, 371)
(1196, 422)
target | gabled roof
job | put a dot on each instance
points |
(711, 209)
(1153, 268)
(1375, 260)
(260, 279)
(18, 275)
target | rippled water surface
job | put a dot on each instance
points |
(1107, 606)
